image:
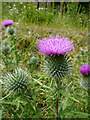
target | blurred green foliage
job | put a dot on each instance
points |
(41, 12)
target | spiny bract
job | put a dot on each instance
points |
(57, 66)
(16, 80)
(10, 30)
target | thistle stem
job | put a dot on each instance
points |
(57, 101)
(5, 60)
(57, 107)
(15, 49)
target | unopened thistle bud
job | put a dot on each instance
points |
(5, 48)
(34, 59)
(16, 81)
(10, 30)
(57, 66)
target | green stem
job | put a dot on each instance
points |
(15, 49)
(5, 60)
(57, 100)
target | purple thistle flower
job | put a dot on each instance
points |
(85, 69)
(55, 46)
(7, 23)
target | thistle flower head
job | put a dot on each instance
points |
(55, 46)
(57, 64)
(7, 23)
(85, 69)
(17, 80)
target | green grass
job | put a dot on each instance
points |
(73, 102)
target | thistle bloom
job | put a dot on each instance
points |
(7, 23)
(55, 46)
(85, 69)
(57, 64)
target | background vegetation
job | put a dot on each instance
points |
(33, 21)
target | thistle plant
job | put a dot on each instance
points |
(5, 54)
(85, 71)
(16, 81)
(10, 30)
(5, 45)
(57, 63)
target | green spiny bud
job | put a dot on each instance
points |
(10, 30)
(57, 66)
(5, 48)
(17, 80)
(34, 60)
(84, 82)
